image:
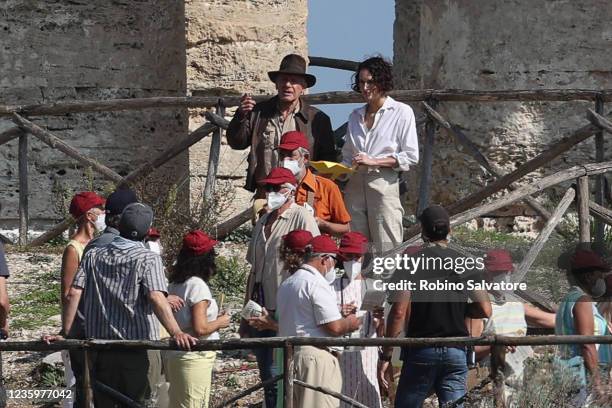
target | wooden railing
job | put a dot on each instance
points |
(288, 344)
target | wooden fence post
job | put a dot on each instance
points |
(213, 156)
(544, 235)
(584, 217)
(23, 189)
(288, 374)
(599, 180)
(426, 163)
(87, 390)
(498, 361)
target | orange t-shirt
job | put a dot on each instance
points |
(328, 201)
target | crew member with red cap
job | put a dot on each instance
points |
(307, 308)
(87, 208)
(508, 318)
(293, 250)
(577, 314)
(153, 241)
(267, 269)
(319, 194)
(190, 374)
(358, 365)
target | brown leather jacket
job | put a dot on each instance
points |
(246, 131)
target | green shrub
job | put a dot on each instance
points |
(231, 277)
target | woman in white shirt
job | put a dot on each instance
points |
(190, 373)
(381, 141)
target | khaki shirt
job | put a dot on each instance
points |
(272, 134)
(267, 269)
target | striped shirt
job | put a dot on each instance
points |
(116, 281)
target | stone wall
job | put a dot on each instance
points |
(231, 45)
(55, 51)
(515, 44)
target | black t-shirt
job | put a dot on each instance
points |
(3, 266)
(437, 311)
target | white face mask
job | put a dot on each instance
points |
(599, 288)
(293, 165)
(154, 246)
(275, 200)
(352, 269)
(330, 276)
(100, 223)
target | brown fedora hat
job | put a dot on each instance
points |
(293, 64)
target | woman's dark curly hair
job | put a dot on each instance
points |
(381, 71)
(188, 265)
(293, 260)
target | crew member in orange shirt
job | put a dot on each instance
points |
(319, 194)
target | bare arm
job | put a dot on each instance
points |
(539, 318)
(585, 325)
(199, 321)
(69, 308)
(396, 321)
(333, 228)
(340, 327)
(163, 311)
(475, 327)
(5, 306)
(70, 265)
(363, 158)
(480, 308)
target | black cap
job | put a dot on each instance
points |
(118, 200)
(435, 221)
(136, 219)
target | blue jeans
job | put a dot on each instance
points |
(265, 363)
(443, 369)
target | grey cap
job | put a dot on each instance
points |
(136, 219)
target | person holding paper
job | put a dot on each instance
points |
(318, 194)
(267, 268)
(381, 141)
(190, 374)
(307, 308)
(358, 366)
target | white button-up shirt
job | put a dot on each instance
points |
(304, 302)
(392, 135)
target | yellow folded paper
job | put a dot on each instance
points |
(333, 169)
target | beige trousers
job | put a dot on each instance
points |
(373, 200)
(316, 367)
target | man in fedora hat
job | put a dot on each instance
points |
(260, 126)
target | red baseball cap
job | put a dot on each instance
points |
(413, 249)
(198, 242)
(297, 240)
(585, 259)
(278, 176)
(83, 202)
(323, 244)
(498, 261)
(153, 233)
(353, 243)
(293, 140)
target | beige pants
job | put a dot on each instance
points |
(316, 367)
(190, 378)
(374, 203)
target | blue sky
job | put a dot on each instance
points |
(347, 29)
